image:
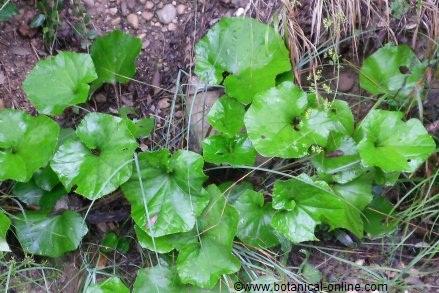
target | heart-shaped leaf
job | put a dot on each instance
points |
(170, 192)
(45, 178)
(111, 285)
(164, 278)
(5, 223)
(114, 56)
(49, 235)
(219, 149)
(385, 141)
(255, 217)
(164, 244)
(380, 220)
(31, 194)
(217, 227)
(227, 116)
(303, 204)
(21, 137)
(394, 71)
(357, 193)
(280, 125)
(340, 160)
(99, 159)
(251, 66)
(59, 82)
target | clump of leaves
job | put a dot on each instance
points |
(21, 138)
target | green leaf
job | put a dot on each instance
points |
(233, 191)
(7, 10)
(218, 226)
(164, 244)
(357, 193)
(385, 141)
(141, 128)
(219, 149)
(255, 217)
(250, 52)
(46, 179)
(227, 116)
(32, 194)
(49, 235)
(111, 285)
(59, 82)
(172, 190)
(279, 124)
(99, 159)
(340, 111)
(5, 223)
(163, 278)
(380, 220)
(110, 241)
(21, 137)
(302, 204)
(340, 160)
(394, 71)
(114, 56)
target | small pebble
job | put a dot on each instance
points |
(181, 9)
(163, 103)
(149, 5)
(147, 15)
(167, 14)
(172, 26)
(133, 20)
(116, 21)
(113, 11)
(145, 44)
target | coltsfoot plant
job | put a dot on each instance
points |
(172, 208)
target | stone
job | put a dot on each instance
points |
(113, 11)
(116, 21)
(149, 5)
(172, 26)
(163, 103)
(147, 15)
(167, 14)
(181, 8)
(133, 20)
(145, 44)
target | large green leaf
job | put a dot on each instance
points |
(255, 217)
(32, 194)
(212, 254)
(164, 244)
(58, 82)
(49, 235)
(303, 204)
(340, 159)
(26, 144)
(280, 125)
(163, 278)
(358, 192)
(380, 220)
(99, 159)
(170, 192)
(45, 178)
(111, 285)
(219, 149)
(227, 116)
(5, 223)
(114, 56)
(250, 54)
(394, 71)
(7, 10)
(385, 141)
